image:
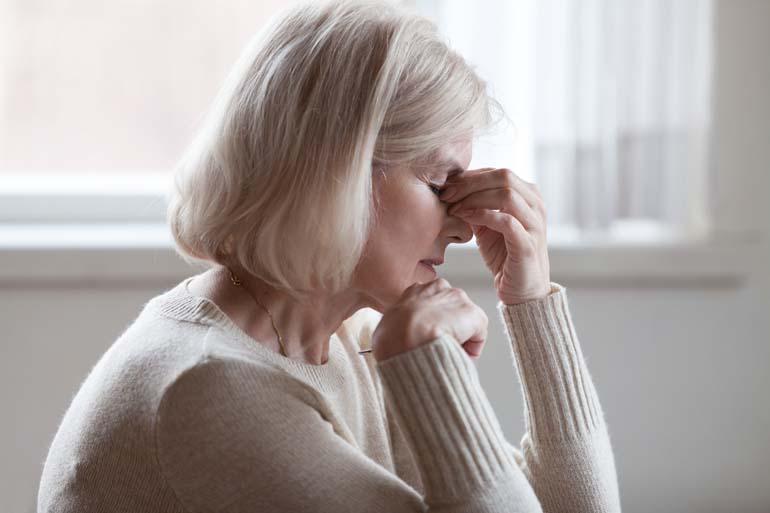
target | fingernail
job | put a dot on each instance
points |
(466, 212)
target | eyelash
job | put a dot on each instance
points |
(436, 189)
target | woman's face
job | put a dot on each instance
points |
(413, 224)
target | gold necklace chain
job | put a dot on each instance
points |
(238, 283)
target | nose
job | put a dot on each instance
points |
(458, 230)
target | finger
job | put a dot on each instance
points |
(480, 325)
(459, 186)
(434, 285)
(438, 284)
(512, 230)
(506, 200)
(473, 348)
(473, 321)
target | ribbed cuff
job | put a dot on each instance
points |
(559, 395)
(447, 419)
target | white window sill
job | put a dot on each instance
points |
(135, 254)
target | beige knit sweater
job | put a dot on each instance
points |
(186, 413)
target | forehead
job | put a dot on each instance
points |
(453, 154)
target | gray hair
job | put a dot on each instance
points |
(278, 181)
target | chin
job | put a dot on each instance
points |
(384, 295)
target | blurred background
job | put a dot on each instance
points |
(644, 123)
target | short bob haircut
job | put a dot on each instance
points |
(279, 179)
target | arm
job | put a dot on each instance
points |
(233, 436)
(461, 454)
(566, 452)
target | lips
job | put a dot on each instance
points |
(427, 265)
(433, 261)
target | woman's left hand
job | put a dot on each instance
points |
(509, 222)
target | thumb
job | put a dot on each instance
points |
(473, 348)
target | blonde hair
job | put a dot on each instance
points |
(278, 180)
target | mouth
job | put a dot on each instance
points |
(429, 265)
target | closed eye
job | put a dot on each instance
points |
(436, 189)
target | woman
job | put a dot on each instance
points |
(329, 175)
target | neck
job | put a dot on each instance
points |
(306, 326)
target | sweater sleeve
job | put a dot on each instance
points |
(566, 452)
(463, 458)
(235, 437)
(464, 461)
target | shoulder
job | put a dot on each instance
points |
(227, 404)
(224, 418)
(220, 387)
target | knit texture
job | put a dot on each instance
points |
(186, 413)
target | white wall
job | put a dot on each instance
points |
(682, 371)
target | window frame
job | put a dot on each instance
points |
(60, 237)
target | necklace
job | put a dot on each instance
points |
(238, 283)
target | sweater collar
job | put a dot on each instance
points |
(178, 303)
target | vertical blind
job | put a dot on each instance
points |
(608, 105)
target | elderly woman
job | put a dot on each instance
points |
(319, 364)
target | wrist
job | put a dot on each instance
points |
(509, 300)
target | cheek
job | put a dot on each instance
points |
(384, 272)
(398, 242)
(413, 227)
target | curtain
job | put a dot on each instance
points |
(608, 104)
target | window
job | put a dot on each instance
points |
(99, 100)
(608, 104)
(610, 107)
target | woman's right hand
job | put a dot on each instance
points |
(425, 311)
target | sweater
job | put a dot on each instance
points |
(187, 413)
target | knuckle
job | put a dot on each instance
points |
(510, 177)
(454, 291)
(462, 294)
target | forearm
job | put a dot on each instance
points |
(567, 453)
(452, 432)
